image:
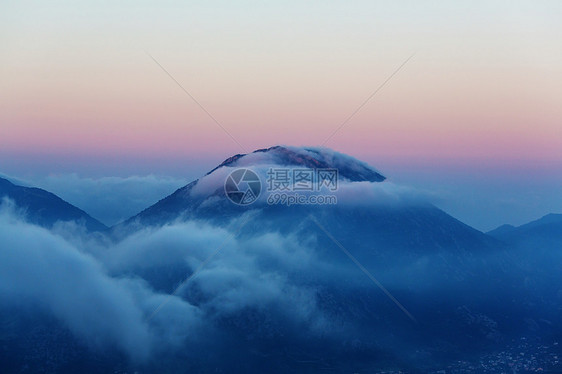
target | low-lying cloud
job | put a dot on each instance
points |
(51, 273)
(131, 295)
(106, 293)
(347, 192)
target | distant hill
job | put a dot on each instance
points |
(45, 208)
(545, 232)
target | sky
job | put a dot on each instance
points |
(474, 116)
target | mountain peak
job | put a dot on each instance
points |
(201, 194)
(307, 157)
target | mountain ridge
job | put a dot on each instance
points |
(545, 231)
(44, 208)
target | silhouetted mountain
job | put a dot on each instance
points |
(45, 208)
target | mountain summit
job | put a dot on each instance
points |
(206, 195)
(348, 167)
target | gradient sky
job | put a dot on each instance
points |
(478, 108)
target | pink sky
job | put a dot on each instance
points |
(484, 86)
